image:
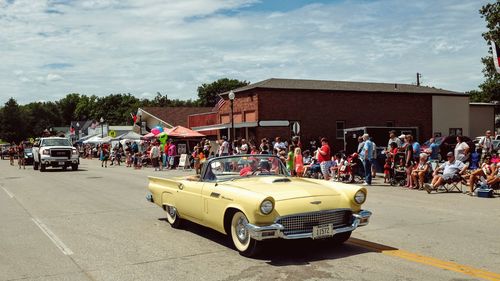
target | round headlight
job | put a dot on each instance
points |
(266, 207)
(360, 197)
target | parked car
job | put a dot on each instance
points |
(28, 156)
(4, 151)
(252, 198)
(496, 145)
(447, 144)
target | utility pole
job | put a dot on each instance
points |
(419, 75)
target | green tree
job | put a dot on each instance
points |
(41, 116)
(12, 122)
(491, 86)
(67, 107)
(207, 93)
(478, 96)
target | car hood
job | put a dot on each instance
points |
(283, 188)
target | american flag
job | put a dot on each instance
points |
(219, 104)
(496, 55)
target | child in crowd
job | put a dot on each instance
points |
(299, 162)
(474, 159)
(290, 165)
(336, 163)
(282, 156)
(196, 156)
(307, 157)
(387, 169)
(104, 155)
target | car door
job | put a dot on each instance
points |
(188, 199)
(215, 200)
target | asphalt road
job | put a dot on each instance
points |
(95, 224)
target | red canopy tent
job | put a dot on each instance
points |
(182, 132)
(148, 136)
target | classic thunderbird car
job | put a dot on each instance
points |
(252, 198)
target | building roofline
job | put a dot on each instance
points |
(344, 86)
(142, 110)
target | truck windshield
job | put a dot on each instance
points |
(55, 142)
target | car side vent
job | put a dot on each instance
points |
(282, 180)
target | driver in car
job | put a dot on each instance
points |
(249, 169)
(252, 168)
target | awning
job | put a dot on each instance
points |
(225, 126)
(183, 132)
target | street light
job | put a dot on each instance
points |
(231, 98)
(102, 127)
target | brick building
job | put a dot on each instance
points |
(324, 108)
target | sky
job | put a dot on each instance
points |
(50, 48)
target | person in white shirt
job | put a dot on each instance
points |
(244, 147)
(461, 150)
(279, 145)
(486, 143)
(393, 138)
(154, 155)
(223, 147)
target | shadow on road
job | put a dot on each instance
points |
(280, 252)
(58, 170)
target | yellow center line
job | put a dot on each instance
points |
(464, 269)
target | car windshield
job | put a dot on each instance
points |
(242, 166)
(27, 150)
(56, 142)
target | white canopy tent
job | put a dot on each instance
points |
(128, 136)
(93, 140)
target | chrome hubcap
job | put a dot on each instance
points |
(171, 212)
(241, 230)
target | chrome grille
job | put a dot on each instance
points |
(60, 153)
(303, 223)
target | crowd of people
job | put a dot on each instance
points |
(406, 163)
(134, 154)
(17, 151)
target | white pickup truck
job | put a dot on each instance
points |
(55, 152)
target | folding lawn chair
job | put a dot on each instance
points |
(452, 184)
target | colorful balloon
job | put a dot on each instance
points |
(163, 138)
(160, 128)
(155, 131)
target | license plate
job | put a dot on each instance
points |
(61, 163)
(323, 231)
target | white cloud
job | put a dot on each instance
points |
(173, 46)
(53, 77)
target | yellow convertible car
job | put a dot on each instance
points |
(252, 198)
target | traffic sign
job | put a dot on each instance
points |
(296, 128)
(112, 134)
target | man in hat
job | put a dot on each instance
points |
(452, 169)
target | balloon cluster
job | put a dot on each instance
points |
(157, 130)
(162, 138)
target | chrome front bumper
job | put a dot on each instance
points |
(54, 161)
(276, 230)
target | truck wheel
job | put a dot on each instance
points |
(35, 165)
(42, 167)
(246, 245)
(74, 167)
